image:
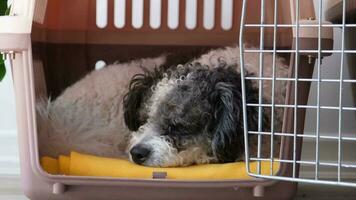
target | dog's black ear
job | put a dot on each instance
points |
(139, 90)
(226, 126)
(227, 123)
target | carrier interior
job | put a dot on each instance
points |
(72, 38)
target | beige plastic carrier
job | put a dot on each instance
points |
(47, 40)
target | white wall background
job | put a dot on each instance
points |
(9, 163)
(329, 96)
(9, 160)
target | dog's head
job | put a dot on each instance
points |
(188, 115)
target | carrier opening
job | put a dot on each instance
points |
(71, 41)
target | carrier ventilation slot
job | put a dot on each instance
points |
(101, 13)
(155, 13)
(137, 13)
(119, 13)
(173, 14)
(191, 14)
(209, 14)
(174, 10)
(226, 14)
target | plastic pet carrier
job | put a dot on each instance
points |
(51, 44)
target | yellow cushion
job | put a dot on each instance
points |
(64, 165)
(50, 165)
(78, 164)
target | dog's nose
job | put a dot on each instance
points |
(139, 154)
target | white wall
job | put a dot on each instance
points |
(329, 95)
(9, 163)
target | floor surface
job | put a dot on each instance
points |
(321, 192)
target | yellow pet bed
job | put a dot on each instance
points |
(78, 164)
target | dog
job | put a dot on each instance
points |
(159, 115)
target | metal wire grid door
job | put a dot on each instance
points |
(295, 81)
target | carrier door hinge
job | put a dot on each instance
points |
(8, 55)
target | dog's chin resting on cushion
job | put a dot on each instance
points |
(159, 115)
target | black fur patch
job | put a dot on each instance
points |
(139, 91)
(227, 124)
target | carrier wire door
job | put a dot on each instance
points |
(312, 40)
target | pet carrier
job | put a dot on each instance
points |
(52, 43)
